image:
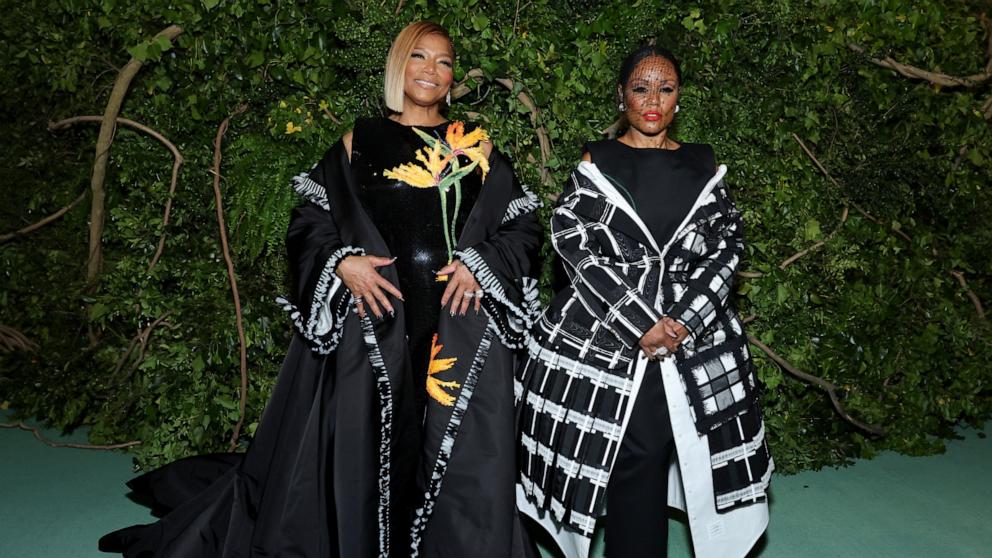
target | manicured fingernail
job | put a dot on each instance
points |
(392, 314)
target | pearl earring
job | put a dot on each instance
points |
(676, 108)
(622, 107)
(447, 98)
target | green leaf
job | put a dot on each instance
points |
(226, 403)
(781, 294)
(163, 43)
(255, 59)
(139, 51)
(98, 310)
(164, 83)
(480, 22)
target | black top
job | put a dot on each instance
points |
(410, 222)
(661, 184)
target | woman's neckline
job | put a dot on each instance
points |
(648, 149)
(445, 123)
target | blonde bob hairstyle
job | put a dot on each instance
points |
(399, 53)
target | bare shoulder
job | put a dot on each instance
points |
(587, 157)
(346, 139)
(487, 148)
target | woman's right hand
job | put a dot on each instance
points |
(360, 275)
(667, 334)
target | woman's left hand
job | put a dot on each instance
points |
(462, 288)
(667, 334)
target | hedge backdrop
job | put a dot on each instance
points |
(857, 136)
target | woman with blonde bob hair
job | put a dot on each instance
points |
(412, 260)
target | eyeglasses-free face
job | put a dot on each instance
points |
(651, 95)
(429, 71)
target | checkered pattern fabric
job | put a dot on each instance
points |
(574, 390)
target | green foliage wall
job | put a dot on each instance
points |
(879, 316)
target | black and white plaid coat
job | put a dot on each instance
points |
(585, 366)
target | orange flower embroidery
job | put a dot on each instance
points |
(435, 387)
(442, 170)
(468, 145)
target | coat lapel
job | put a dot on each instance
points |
(629, 222)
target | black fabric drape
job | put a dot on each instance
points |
(336, 466)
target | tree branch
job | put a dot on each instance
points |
(142, 337)
(816, 246)
(104, 140)
(836, 184)
(13, 340)
(944, 80)
(935, 78)
(827, 386)
(51, 218)
(177, 162)
(612, 130)
(37, 434)
(218, 199)
(987, 24)
(334, 119)
(543, 139)
(975, 301)
(957, 275)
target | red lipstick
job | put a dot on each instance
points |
(652, 116)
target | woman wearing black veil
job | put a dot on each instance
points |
(411, 262)
(639, 392)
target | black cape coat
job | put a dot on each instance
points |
(340, 464)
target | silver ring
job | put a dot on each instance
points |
(359, 298)
(468, 294)
(479, 293)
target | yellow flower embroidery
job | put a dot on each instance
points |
(414, 175)
(442, 170)
(435, 387)
(431, 158)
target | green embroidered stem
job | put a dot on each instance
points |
(443, 194)
(458, 202)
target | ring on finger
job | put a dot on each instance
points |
(469, 294)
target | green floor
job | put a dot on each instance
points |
(55, 503)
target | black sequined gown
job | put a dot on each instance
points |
(410, 222)
(333, 470)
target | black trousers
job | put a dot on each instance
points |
(637, 494)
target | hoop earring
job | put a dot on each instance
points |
(447, 98)
(676, 108)
(622, 107)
